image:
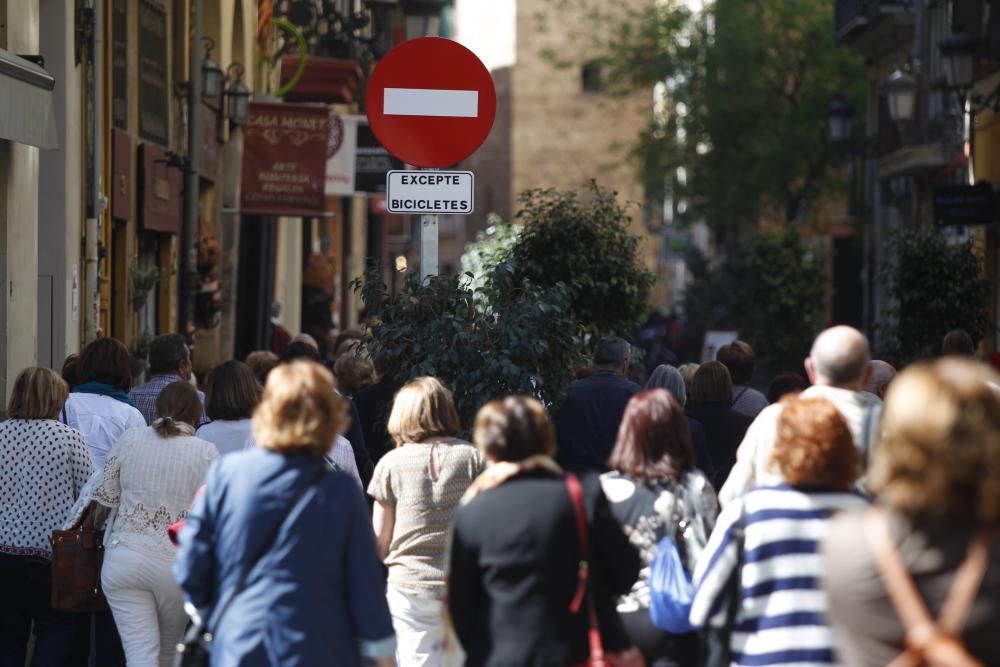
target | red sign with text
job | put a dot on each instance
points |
(431, 102)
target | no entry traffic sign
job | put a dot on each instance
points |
(431, 102)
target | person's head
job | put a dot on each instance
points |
(653, 440)
(940, 447)
(839, 358)
(299, 411)
(738, 357)
(879, 377)
(669, 378)
(353, 373)
(38, 393)
(107, 361)
(177, 403)
(612, 354)
(261, 362)
(687, 372)
(422, 409)
(305, 338)
(233, 392)
(300, 350)
(814, 446)
(71, 371)
(513, 429)
(783, 384)
(169, 355)
(712, 384)
(958, 343)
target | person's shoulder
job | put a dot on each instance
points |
(841, 541)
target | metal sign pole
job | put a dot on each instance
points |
(428, 244)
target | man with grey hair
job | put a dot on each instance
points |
(838, 367)
(879, 378)
(587, 422)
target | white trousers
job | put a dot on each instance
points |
(420, 631)
(147, 604)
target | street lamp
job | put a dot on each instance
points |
(901, 93)
(841, 118)
(422, 17)
(211, 73)
(238, 110)
(958, 55)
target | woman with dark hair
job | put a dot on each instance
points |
(669, 378)
(710, 403)
(99, 406)
(514, 589)
(653, 486)
(768, 542)
(149, 479)
(232, 396)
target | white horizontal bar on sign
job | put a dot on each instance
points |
(430, 102)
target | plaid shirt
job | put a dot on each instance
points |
(144, 396)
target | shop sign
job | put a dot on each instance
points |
(284, 159)
(162, 198)
(153, 99)
(340, 155)
(372, 162)
(966, 205)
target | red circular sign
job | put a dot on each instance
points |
(431, 102)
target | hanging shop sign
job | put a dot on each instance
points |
(340, 162)
(966, 205)
(284, 159)
(162, 192)
(153, 99)
(372, 162)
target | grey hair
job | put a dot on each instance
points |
(667, 377)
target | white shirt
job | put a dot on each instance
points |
(102, 420)
(151, 481)
(43, 467)
(228, 436)
(862, 412)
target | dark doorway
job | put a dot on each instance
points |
(255, 285)
(847, 287)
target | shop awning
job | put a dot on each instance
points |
(26, 112)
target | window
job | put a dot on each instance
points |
(592, 77)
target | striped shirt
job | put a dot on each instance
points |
(781, 616)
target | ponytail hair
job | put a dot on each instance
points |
(177, 404)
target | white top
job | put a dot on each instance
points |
(341, 457)
(101, 420)
(151, 481)
(43, 467)
(228, 436)
(862, 412)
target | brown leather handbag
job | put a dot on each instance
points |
(77, 556)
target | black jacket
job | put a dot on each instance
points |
(514, 570)
(587, 423)
(374, 404)
(724, 431)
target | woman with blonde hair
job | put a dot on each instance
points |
(277, 559)
(149, 479)
(921, 574)
(44, 465)
(416, 488)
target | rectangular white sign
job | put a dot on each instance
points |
(430, 102)
(427, 192)
(340, 165)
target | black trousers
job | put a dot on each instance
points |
(26, 599)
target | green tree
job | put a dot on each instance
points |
(740, 125)
(584, 243)
(773, 295)
(935, 286)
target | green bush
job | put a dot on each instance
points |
(934, 286)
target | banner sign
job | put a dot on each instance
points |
(284, 159)
(340, 155)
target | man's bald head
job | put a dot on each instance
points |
(879, 378)
(839, 358)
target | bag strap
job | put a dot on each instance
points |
(266, 545)
(924, 636)
(583, 573)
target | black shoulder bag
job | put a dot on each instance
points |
(196, 648)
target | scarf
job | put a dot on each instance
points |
(102, 389)
(498, 473)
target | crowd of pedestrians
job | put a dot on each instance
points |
(302, 513)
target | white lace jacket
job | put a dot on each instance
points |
(149, 483)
